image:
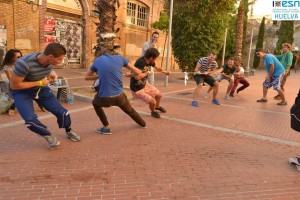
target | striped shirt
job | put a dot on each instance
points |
(29, 67)
(7, 68)
(204, 65)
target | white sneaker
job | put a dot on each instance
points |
(73, 136)
(227, 96)
(53, 142)
(294, 161)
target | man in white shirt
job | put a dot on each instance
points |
(239, 78)
(151, 44)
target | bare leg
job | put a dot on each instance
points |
(197, 92)
(216, 89)
(229, 86)
(209, 90)
(283, 82)
(157, 99)
(281, 93)
(265, 92)
(152, 105)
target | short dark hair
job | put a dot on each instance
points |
(151, 53)
(10, 54)
(55, 49)
(260, 50)
(100, 51)
(231, 58)
(155, 32)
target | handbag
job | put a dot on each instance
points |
(295, 114)
(5, 102)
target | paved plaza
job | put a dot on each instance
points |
(235, 151)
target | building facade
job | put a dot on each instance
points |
(29, 25)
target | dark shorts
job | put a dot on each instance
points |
(204, 78)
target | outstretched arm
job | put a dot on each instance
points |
(90, 76)
(18, 83)
(135, 72)
(162, 70)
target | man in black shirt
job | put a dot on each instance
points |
(139, 85)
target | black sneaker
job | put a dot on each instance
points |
(231, 95)
(161, 109)
(73, 136)
(155, 114)
(237, 91)
(262, 100)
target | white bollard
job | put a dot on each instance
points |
(186, 77)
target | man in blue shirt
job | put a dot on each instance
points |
(275, 73)
(109, 73)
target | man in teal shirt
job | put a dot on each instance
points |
(286, 60)
(275, 72)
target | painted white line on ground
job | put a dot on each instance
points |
(166, 93)
(21, 122)
(227, 130)
(233, 106)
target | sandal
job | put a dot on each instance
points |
(161, 109)
(282, 103)
(262, 100)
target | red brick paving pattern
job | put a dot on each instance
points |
(168, 160)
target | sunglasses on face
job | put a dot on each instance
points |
(19, 57)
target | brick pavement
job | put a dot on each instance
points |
(237, 150)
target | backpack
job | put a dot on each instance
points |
(294, 61)
(295, 114)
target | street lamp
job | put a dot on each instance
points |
(169, 41)
(249, 54)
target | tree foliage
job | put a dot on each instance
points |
(260, 41)
(163, 25)
(198, 28)
(163, 22)
(231, 37)
(240, 29)
(285, 35)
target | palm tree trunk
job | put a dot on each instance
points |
(105, 29)
(239, 31)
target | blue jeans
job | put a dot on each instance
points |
(24, 103)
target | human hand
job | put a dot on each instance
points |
(167, 72)
(45, 81)
(52, 77)
(150, 73)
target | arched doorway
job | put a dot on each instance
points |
(63, 23)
